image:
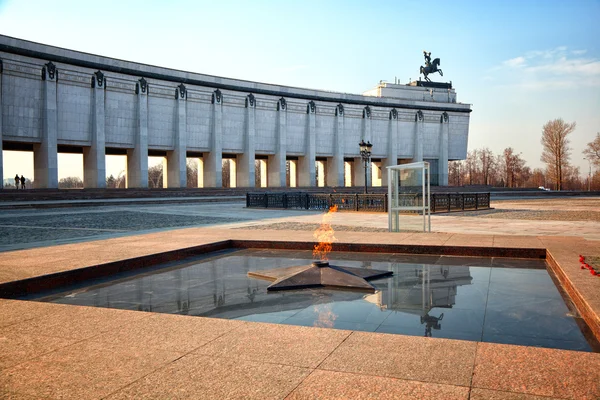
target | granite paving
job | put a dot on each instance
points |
(56, 351)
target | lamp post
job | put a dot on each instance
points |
(365, 153)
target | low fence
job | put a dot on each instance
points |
(440, 202)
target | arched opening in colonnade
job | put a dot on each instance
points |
(17, 159)
(291, 172)
(376, 172)
(260, 171)
(321, 172)
(348, 171)
(116, 168)
(229, 170)
(70, 164)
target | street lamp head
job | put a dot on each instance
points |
(365, 148)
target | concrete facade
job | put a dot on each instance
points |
(54, 100)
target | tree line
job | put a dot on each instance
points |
(509, 169)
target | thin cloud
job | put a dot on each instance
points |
(552, 68)
(515, 62)
(564, 66)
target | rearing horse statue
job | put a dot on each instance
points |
(430, 69)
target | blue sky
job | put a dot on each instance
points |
(519, 63)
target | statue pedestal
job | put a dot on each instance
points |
(437, 85)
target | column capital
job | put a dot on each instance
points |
(0, 66)
(444, 117)
(281, 104)
(217, 97)
(180, 92)
(311, 107)
(98, 78)
(49, 72)
(250, 101)
(419, 116)
(393, 114)
(339, 110)
(366, 112)
(141, 86)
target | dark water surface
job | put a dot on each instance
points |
(495, 300)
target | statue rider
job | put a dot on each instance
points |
(427, 58)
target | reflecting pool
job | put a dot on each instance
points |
(498, 300)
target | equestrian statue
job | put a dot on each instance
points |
(430, 66)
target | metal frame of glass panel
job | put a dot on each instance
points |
(397, 200)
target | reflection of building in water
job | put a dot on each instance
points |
(216, 288)
(417, 290)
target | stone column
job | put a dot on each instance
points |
(176, 159)
(335, 164)
(307, 172)
(1, 158)
(246, 173)
(213, 160)
(358, 172)
(94, 156)
(45, 157)
(276, 162)
(443, 157)
(392, 150)
(137, 158)
(419, 128)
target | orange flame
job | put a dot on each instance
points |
(324, 235)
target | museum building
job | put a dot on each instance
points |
(55, 100)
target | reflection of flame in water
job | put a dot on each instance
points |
(326, 316)
(324, 234)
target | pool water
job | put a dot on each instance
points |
(497, 300)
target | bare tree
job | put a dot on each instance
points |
(537, 178)
(191, 168)
(471, 166)
(454, 170)
(155, 176)
(71, 182)
(121, 181)
(515, 171)
(487, 162)
(556, 151)
(110, 182)
(592, 151)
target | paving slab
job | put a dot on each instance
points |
(169, 332)
(203, 377)
(289, 345)
(74, 322)
(341, 385)
(537, 371)
(13, 311)
(485, 394)
(85, 370)
(406, 357)
(15, 349)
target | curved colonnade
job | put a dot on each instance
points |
(57, 100)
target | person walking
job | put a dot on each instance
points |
(17, 181)
(22, 182)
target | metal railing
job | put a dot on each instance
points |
(440, 202)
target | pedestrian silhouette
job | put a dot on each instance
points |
(17, 181)
(22, 182)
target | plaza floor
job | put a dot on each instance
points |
(59, 351)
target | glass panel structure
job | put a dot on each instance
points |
(409, 193)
